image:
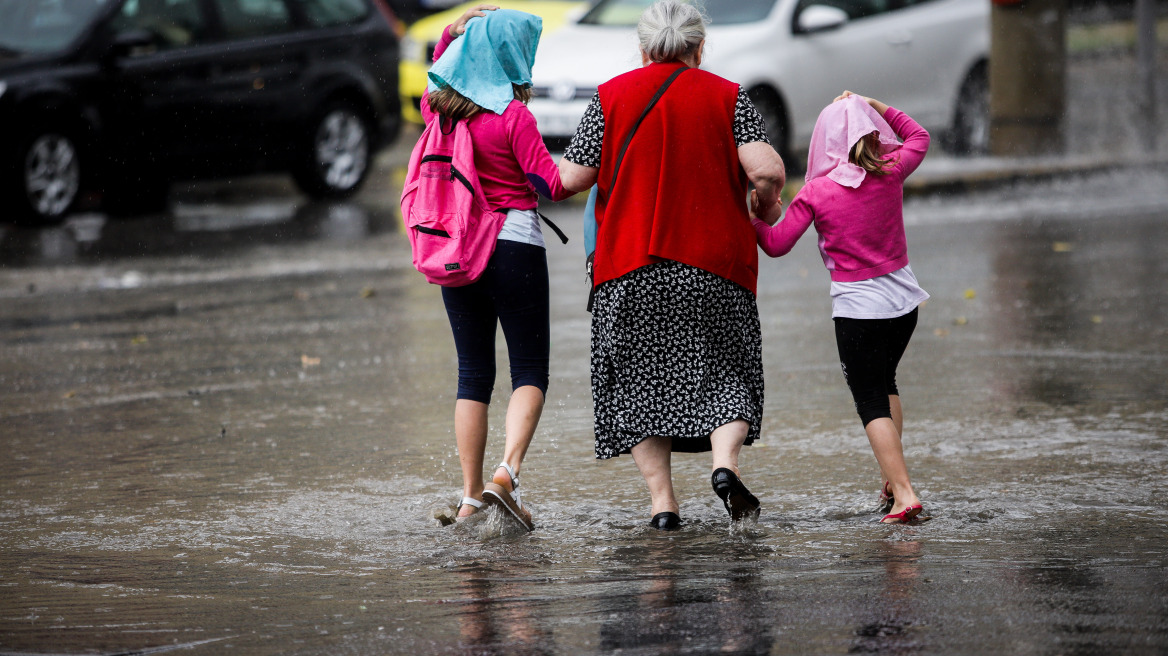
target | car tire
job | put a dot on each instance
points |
(43, 177)
(334, 161)
(970, 134)
(774, 115)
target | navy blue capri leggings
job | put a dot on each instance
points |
(869, 351)
(513, 293)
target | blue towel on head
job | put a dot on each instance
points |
(496, 51)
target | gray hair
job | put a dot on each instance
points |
(669, 30)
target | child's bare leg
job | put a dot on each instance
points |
(886, 446)
(470, 434)
(523, 413)
(898, 422)
(897, 413)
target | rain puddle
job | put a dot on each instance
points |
(246, 452)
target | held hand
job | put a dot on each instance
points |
(458, 27)
(872, 102)
(770, 214)
(848, 94)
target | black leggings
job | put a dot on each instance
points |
(512, 292)
(869, 351)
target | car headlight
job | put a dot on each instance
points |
(411, 49)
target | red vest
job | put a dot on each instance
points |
(681, 193)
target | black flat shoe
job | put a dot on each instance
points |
(739, 502)
(665, 521)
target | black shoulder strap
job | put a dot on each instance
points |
(554, 227)
(629, 137)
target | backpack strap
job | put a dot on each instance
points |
(466, 183)
(629, 137)
(556, 228)
(619, 157)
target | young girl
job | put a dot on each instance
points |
(855, 175)
(482, 75)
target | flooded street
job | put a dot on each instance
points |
(229, 429)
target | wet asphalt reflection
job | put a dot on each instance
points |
(228, 430)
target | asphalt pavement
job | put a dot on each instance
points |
(228, 430)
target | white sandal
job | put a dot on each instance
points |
(509, 499)
(467, 501)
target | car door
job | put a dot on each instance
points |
(948, 36)
(872, 53)
(155, 111)
(254, 82)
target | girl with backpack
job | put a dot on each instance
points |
(482, 75)
(856, 169)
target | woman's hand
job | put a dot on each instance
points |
(764, 168)
(769, 214)
(458, 27)
(872, 102)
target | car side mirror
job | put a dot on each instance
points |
(133, 43)
(820, 18)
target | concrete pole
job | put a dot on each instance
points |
(1028, 64)
(1146, 67)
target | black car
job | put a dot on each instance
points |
(121, 97)
(411, 10)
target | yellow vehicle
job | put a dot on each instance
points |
(417, 46)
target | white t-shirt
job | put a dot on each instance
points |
(883, 297)
(523, 226)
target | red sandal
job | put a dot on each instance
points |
(903, 517)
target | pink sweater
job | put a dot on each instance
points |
(861, 230)
(512, 160)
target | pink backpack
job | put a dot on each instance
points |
(452, 231)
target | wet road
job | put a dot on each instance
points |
(228, 429)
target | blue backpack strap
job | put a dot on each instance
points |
(590, 225)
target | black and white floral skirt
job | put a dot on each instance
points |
(676, 352)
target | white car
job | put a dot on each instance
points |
(928, 58)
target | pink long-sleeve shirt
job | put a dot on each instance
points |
(512, 161)
(861, 230)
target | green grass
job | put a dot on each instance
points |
(1108, 36)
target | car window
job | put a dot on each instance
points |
(41, 26)
(326, 13)
(174, 23)
(855, 8)
(626, 13)
(242, 18)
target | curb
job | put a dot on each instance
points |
(952, 175)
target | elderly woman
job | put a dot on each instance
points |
(676, 343)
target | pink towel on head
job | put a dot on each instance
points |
(839, 126)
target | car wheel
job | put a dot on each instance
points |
(774, 116)
(971, 122)
(47, 176)
(336, 160)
